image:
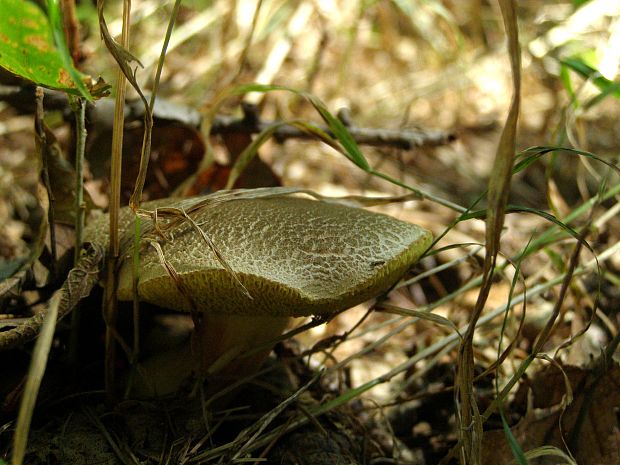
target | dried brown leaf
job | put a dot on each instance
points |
(596, 443)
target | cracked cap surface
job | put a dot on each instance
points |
(294, 256)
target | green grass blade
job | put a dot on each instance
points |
(518, 453)
(530, 155)
(352, 150)
(592, 74)
(349, 147)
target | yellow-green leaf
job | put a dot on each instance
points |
(27, 48)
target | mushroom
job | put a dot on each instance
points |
(243, 265)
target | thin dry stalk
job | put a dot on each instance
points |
(470, 429)
(110, 302)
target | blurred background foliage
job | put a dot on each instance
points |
(393, 64)
(402, 64)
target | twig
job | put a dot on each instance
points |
(79, 108)
(250, 123)
(405, 139)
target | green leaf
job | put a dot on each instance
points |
(612, 89)
(28, 49)
(565, 78)
(58, 34)
(586, 71)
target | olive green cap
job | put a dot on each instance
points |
(291, 256)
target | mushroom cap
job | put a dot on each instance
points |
(294, 256)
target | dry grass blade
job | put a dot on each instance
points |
(145, 154)
(255, 436)
(428, 316)
(119, 51)
(123, 58)
(43, 151)
(172, 272)
(266, 420)
(243, 58)
(35, 376)
(547, 451)
(470, 422)
(126, 457)
(184, 209)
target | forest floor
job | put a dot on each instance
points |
(371, 386)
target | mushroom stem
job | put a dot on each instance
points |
(218, 342)
(216, 354)
(294, 256)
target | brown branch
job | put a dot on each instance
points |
(405, 139)
(249, 123)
